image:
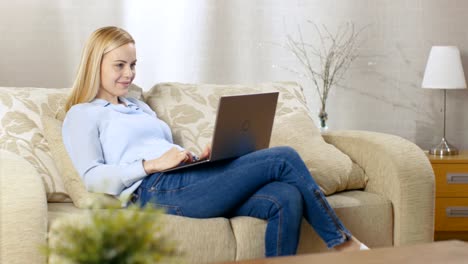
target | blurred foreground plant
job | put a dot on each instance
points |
(131, 235)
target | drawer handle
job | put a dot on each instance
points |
(457, 211)
(457, 178)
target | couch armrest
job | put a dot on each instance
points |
(23, 211)
(400, 171)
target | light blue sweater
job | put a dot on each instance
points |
(107, 143)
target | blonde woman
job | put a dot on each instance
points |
(119, 146)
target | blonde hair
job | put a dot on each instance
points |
(88, 78)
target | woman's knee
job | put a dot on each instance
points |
(284, 197)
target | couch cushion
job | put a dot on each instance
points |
(333, 170)
(368, 216)
(70, 177)
(56, 211)
(219, 243)
(190, 111)
(21, 132)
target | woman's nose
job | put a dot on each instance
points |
(128, 72)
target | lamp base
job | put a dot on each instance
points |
(444, 149)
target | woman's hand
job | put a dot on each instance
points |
(170, 159)
(206, 152)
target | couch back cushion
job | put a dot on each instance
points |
(71, 179)
(190, 110)
(22, 131)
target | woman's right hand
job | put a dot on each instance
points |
(206, 152)
(170, 159)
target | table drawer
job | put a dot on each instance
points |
(451, 214)
(451, 180)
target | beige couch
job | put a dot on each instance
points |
(381, 186)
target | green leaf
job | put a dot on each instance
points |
(131, 235)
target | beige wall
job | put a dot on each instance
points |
(220, 41)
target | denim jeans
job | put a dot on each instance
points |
(272, 184)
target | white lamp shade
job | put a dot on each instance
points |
(444, 69)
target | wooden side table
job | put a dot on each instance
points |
(446, 252)
(451, 201)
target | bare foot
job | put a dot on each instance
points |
(352, 244)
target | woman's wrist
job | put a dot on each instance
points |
(145, 166)
(148, 167)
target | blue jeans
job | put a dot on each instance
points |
(272, 184)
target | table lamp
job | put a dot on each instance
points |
(444, 70)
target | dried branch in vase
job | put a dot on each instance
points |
(325, 62)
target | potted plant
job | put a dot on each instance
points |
(115, 235)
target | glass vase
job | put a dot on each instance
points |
(323, 117)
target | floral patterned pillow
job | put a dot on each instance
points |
(21, 131)
(69, 176)
(190, 109)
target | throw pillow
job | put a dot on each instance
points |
(21, 132)
(72, 181)
(190, 109)
(135, 91)
(331, 169)
(21, 109)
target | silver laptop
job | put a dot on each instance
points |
(243, 125)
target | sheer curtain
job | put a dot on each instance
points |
(169, 36)
(215, 41)
(203, 41)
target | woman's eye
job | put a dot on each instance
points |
(120, 65)
(132, 66)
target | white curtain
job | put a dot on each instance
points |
(203, 41)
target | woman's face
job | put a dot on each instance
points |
(117, 72)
